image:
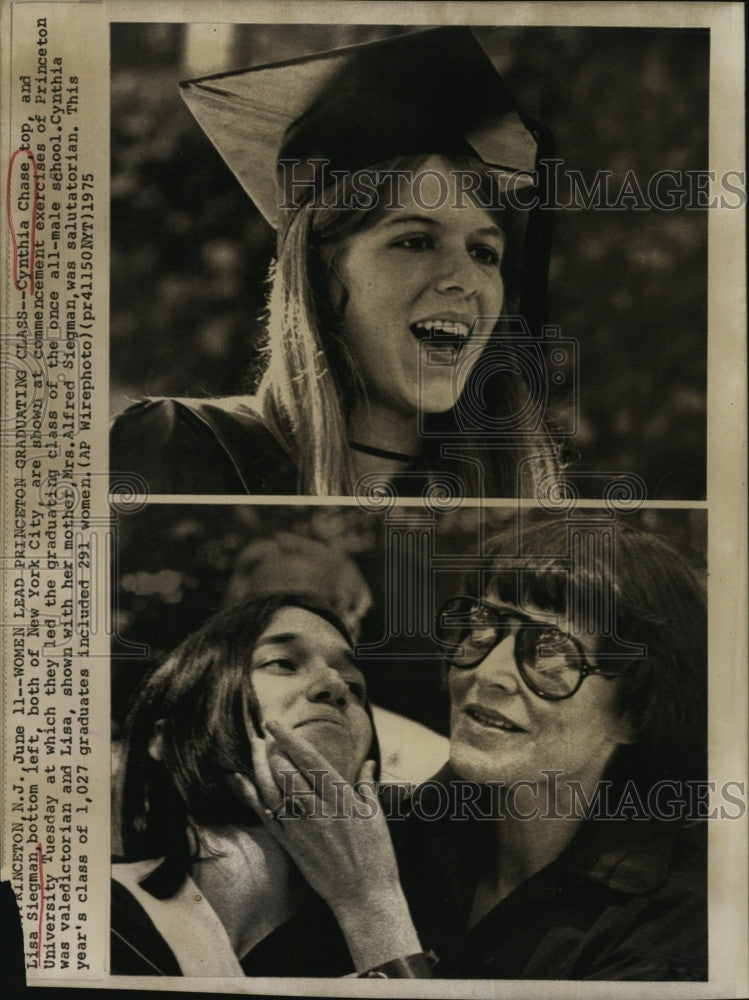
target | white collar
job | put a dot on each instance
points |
(187, 922)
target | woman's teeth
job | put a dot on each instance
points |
(445, 327)
(492, 722)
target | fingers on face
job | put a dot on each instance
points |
(289, 771)
(278, 778)
(367, 771)
(264, 777)
(301, 753)
(248, 794)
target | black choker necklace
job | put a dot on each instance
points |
(394, 456)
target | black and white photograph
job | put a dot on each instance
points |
(513, 788)
(475, 252)
(373, 446)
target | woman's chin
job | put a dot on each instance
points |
(472, 766)
(440, 390)
(338, 752)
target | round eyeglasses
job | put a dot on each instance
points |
(551, 662)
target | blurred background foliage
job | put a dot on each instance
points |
(189, 252)
(177, 564)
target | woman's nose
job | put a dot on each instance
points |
(456, 274)
(327, 686)
(499, 668)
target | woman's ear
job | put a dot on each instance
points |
(156, 743)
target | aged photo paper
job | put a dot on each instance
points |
(175, 456)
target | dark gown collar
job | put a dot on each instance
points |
(258, 457)
(627, 855)
(261, 461)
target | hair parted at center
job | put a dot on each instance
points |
(201, 703)
(310, 379)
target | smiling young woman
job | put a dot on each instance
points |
(386, 169)
(303, 675)
(412, 274)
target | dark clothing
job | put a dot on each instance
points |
(137, 948)
(310, 944)
(625, 901)
(12, 958)
(218, 446)
(212, 446)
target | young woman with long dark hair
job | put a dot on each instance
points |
(202, 888)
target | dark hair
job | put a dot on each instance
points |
(202, 699)
(653, 598)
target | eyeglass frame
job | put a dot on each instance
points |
(586, 668)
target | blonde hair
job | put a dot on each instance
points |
(309, 367)
(300, 399)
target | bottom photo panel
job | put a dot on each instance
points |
(409, 743)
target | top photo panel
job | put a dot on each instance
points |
(464, 262)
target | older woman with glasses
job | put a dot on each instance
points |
(555, 844)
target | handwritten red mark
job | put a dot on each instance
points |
(41, 905)
(32, 237)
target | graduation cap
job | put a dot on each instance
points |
(424, 92)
